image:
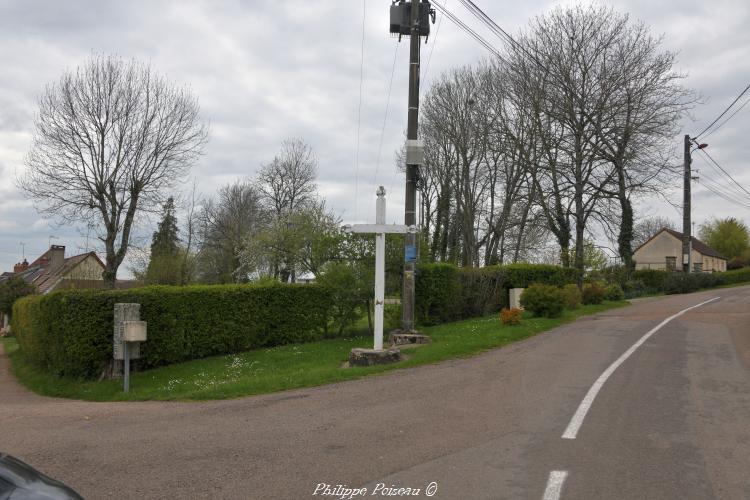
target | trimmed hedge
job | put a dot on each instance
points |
(70, 333)
(737, 276)
(652, 279)
(445, 292)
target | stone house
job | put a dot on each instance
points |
(663, 251)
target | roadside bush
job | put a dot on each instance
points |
(70, 333)
(438, 294)
(543, 300)
(690, 282)
(510, 316)
(736, 276)
(593, 293)
(614, 292)
(445, 292)
(351, 288)
(572, 296)
(523, 275)
(634, 288)
(653, 279)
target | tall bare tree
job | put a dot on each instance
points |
(226, 224)
(111, 138)
(288, 181)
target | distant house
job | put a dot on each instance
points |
(663, 251)
(53, 271)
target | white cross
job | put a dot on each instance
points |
(380, 228)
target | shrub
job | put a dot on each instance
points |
(653, 279)
(572, 296)
(510, 316)
(736, 276)
(690, 282)
(445, 292)
(70, 333)
(437, 294)
(634, 288)
(523, 275)
(614, 292)
(543, 300)
(350, 290)
(593, 293)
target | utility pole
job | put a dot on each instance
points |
(412, 172)
(686, 225)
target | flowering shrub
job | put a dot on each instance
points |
(510, 316)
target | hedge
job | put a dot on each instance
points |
(737, 276)
(70, 333)
(445, 292)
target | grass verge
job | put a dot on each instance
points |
(286, 367)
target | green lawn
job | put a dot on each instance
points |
(287, 367)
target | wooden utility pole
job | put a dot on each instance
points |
(686, 226)
(412, 171)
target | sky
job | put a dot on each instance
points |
(265, 71)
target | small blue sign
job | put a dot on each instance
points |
(410, 253)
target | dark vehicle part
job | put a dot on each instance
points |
(20, 481)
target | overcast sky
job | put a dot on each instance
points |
(269, 70)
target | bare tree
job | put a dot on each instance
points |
(110, 139)
(648, 227)
(226, 225)
(287, 185)
(288, 181)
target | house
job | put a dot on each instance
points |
(663, 251)
(53, 271)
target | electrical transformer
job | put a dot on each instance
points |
(401, 18)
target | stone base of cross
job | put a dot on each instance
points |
(380, 229)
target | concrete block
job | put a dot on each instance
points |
(515, 297)
(370, 357)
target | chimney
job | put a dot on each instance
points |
(56, 256)
(21, 267)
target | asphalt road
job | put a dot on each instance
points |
(672, 421)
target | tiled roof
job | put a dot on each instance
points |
(44, 278)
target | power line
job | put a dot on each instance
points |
(723, 196)
(730, 117)
(736, 197)
(724, 112)
(432, 49)
(499, 31)
(725, 172)
(468, 30)
(359, 110)
(730, 190)
(385, 120)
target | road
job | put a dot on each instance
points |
(671, 421)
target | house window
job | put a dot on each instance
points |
(671, 263)
(698, 267)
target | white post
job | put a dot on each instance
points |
(379, 269)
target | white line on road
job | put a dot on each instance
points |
(555, 484)
(575, 423)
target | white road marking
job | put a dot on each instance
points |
(575, 423)
(555, 484)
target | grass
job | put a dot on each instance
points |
(286, 367)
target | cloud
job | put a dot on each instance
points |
(266, 70)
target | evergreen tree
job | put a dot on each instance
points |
(165, 263)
